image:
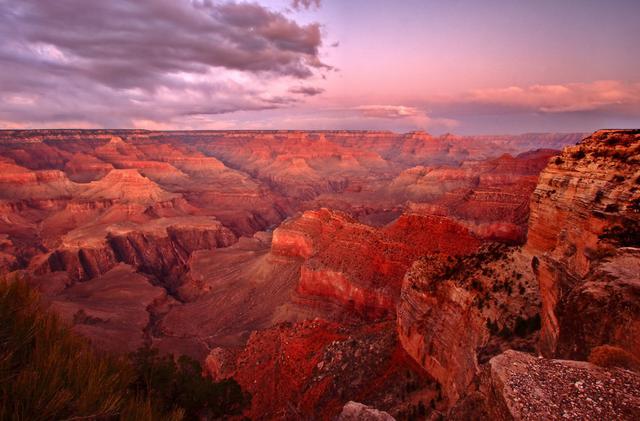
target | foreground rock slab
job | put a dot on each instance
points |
(518, 386)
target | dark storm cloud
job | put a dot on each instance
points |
(128, 42)
(70, 57)
(306, 90)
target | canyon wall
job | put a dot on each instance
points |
(454, 313)
(584, 234)
(313, 267)
(456, 316)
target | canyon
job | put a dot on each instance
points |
(337, 273)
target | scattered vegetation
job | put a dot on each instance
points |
(48, 373)
(625, 234)
(524, 327)
(492, 327)
(579, 154)
(535, 264)
(598, 197)
(521, 328)
(418, 412)
(461, 269)
(611, 207)
(180, 383)
(612, 140)
(613, 356)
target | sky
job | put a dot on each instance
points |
(460, 66)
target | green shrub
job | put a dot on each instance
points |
(524, 327)
(181, 383)
(624, 234)
(49, 373)
(579, 154)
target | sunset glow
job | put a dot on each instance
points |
(463, 66)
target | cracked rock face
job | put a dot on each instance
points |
(584, 231)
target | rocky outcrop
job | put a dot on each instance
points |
(83, 168)
(336, 286)
(128, 185)
(220, 363)
(582, 251)
(604, 310)
(19, 183)
(55, 181)
(113, 310)
(442, 332)
(359, 266)
(455, 313)
(518, 386)
(489, 197)
(228, 293)
(583, 230)
(312, 368)
(160, 247)
(354, 411)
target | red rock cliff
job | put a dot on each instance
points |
(584, 233)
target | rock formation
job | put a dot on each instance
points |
(359, 266)
(354, 411)
(112, 310)
(310, 369)
(455, 313)
(319, 268)
(584, 233)
(518, 386)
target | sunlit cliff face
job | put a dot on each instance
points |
(461, 66)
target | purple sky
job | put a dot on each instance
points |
(464, 66)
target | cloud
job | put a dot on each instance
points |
(123, 43)
(306, 90)
(561, 98)
(305, 4)
(110, 62)
(413, 117)
(388, 111)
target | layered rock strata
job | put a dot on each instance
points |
(584, 233)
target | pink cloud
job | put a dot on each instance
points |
(569, 97)
(388, 111)
(413, 115)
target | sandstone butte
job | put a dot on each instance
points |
(345, 274)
